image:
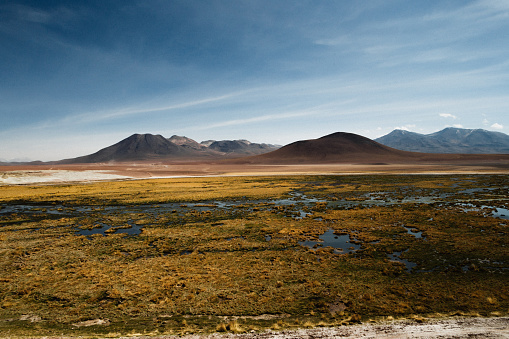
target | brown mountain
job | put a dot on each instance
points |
(186, 142)
(240, 147)
(351, 148)
(138, 147)
(224, 148)
(334, 148)
(338, 147)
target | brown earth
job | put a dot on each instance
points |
(142, 170)
(337, 153)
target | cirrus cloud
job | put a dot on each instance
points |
(447, 115)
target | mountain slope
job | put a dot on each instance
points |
(137, 147)
(338, 147)
(449, 140)
(186, 142)
(348, 148)
(240, 147)
(224, 148)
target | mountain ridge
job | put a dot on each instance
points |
(187, 142)
(449, 140)
(339, 147)
(349, 148)
(134, 147)
(142, 147)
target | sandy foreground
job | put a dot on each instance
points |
(50, 174)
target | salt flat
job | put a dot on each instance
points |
(19, 177)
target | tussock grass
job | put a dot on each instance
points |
(150, 191)
(189, 269)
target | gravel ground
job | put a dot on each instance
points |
(445, 328)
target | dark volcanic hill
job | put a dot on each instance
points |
(348, 148)
(338, 147)
(449, 140)
(334, 148)
(138, 147)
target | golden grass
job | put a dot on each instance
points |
(148, 191)
(188, 270)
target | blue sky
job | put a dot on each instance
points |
(77, 76)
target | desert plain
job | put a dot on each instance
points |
(26, 174)
(160, 249)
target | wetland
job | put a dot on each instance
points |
(237, 254)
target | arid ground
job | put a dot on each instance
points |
(305, 251)
(20, 174)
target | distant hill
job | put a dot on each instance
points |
(348, 148)
(207, 142)
(225, 148)
(137, 147)
(338, 147)
(140, 147)
(186, 142)
(449, 140)
(241, 147)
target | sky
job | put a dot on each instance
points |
(77, 76)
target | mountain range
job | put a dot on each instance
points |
(140, 147)
(338, 147)
(349, 148)
(448, 140)
(341, 147)
(234, 148)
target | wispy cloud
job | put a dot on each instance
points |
(319, 110)
(98, 70)
(341, 40)
(447, 115)
(448, 34)
(98, 116)
(26, 21)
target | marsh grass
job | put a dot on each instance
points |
(188, 269)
